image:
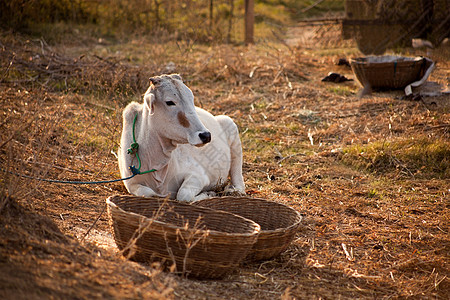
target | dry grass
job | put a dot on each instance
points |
(376, 224)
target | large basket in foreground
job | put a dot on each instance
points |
(202, 242)
(279, 223)
(388, 72)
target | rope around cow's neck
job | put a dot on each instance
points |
(134, 150)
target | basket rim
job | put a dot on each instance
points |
(256, 226)
(264, 232)
(385, 59)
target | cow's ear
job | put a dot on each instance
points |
(176, 76)
(155, 80)
(149, 102)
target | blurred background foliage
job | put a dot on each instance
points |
(200, 20)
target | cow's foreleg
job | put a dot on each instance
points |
(140, 190)
(191, 189)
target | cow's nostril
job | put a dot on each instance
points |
(205, 137)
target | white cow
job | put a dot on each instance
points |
(192, 150)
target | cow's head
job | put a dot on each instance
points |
(171, 104)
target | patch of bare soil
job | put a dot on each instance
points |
(367, 233)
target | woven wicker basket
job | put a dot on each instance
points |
(202, 242)
(278, 222)
(388, 72)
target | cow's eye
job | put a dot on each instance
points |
(170, 103)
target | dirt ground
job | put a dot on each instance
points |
(375, 223)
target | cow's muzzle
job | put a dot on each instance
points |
(205, 137)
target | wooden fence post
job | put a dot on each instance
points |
(211, 13)
(230, 21)
(249, 21)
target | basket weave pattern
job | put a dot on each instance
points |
(279, 223)
(202, 242)
(387, 72)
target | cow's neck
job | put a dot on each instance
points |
(159, 148)
(156, 155)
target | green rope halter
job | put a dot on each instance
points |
(134, 147)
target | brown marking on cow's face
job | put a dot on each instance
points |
(183, 120)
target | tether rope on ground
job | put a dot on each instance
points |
(135, 171)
